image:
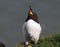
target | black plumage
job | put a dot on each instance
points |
(33, 17)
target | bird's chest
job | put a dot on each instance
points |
(32, 27)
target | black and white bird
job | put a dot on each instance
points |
(31, 28)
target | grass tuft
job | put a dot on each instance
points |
(51, 41)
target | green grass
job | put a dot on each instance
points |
(51, 41)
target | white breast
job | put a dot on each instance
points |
(34, 29)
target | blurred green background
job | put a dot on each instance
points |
(14, 12)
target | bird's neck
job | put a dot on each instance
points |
(33, 17)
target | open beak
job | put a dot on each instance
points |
(30, 11)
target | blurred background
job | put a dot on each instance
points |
(14, 12)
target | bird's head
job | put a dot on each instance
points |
(32, 15)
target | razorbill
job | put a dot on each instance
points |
(31, 28)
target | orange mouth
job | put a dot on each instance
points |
(30, 12)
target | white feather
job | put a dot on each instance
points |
(33, 28)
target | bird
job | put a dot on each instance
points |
(2, 45)
(31, 28)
